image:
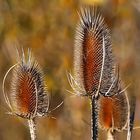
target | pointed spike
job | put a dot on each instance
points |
(29, 56)
(17, 50)
(23, 56)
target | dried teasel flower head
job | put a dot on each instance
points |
(113, 112)
(93, 59)
(95, 70)
(28, 97)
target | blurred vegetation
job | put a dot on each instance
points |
(48, 28)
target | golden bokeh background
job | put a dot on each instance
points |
(48, 28)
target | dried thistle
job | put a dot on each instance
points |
(28, 97)
(93, 60)
(113, 114)
(95, 73)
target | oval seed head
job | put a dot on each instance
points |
(93, 60)
(113, 112)
(28, 93)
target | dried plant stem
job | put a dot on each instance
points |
(32, 127)
(94, 118)
(110, 135)
(131, 117)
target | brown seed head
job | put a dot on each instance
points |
(113, 112)
(28, 93)
(93, 60)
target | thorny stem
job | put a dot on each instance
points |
(32, 127)
(94, 118)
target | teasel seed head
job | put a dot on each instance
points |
(94, 67)
(113, 112)
(96, 72)
(28, 96)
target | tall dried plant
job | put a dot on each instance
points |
(28, 96)
(132, 102)
(96, 74)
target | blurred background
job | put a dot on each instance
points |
(48, 28)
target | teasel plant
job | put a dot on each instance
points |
(96, 74)
(28, 97)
